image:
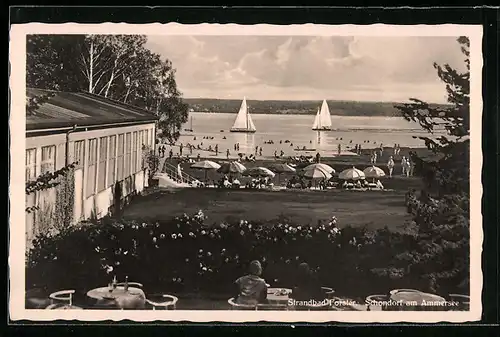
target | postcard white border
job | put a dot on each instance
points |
(17, 57)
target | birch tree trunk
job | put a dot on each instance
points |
(91, 67)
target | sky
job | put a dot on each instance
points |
(359, 68)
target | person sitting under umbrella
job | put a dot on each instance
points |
(236, 183)
(307, 286)
(379, 185)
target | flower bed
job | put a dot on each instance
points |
(184, 254)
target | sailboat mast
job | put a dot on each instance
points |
(246, 114)
(319, 119)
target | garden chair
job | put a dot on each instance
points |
(238, 306)
(170, 303)
(130, 284)
(328, 292)
(463, 300)
(62, 299)
(36, 299)
(371, 298)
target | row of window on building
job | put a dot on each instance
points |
(109, 159)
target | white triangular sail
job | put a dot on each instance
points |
(325, 120)
(251, 125)
(316, 121)
(243, 121)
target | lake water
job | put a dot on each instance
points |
(369, 132)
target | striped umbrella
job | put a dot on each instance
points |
(258, 172)
(325, 167)
(317, 172)
(282, 168)
(232, 167)
(373, 172)
(206, 165)
(351, 174)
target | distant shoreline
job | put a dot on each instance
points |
(289, 114)
(276, 107)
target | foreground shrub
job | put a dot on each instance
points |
(184, 255)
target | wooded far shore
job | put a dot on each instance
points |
(342, 108)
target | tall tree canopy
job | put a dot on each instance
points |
(118, 67)
(440, 255)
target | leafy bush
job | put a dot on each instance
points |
(184, 254)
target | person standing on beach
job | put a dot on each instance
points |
(180, 149)
(170, 154)
(411, 165)
(260, 151)
(339, 148)
(404, 165)
(318, 157)
(395, 151)
(216, 149)
(227, 153)
(381, 150)
(390, 166)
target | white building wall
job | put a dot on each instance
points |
(99, 203)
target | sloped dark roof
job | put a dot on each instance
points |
(66, 109)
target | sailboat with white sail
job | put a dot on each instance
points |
(323, 120)
(243, 121)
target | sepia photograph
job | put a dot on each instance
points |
(245, 173)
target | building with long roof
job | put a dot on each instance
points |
(106, 140)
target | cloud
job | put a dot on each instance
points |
(309, 67)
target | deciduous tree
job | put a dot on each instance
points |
(119, 67)
(441, 213)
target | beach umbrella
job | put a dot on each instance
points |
(206, 165)
(373, 172)
(325, 167)
(282, 168)
(317, 172)
(351, 174)
(258, 172)
(232, 167)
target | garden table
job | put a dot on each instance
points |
(133, 298)
(278, 295)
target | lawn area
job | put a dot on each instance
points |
(375, 209)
